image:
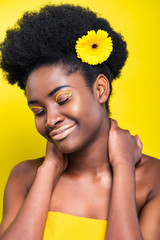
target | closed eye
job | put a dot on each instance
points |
(38, 114)
(63, 97)
(63, 102)
(38, 111)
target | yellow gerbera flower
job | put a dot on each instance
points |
(94, 48)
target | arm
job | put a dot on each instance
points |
(123, 221)
(150, 218)
(26, 219)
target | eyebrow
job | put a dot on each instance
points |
(56, 90)
(50, 94)
(32, 102)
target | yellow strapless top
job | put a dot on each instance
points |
(62, 226)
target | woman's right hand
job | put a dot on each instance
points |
(53, 155)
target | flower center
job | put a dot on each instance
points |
(94, 45)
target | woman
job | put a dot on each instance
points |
(94, 182)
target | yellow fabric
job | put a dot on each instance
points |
(61, 226)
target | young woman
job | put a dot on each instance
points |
(94, 182)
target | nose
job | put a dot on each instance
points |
(53, 118)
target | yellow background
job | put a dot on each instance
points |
(135, 101)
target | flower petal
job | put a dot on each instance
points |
(94, 48)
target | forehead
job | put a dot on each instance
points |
(44, 79)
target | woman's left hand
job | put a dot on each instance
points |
(123, 147)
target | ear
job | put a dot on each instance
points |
(101, 88)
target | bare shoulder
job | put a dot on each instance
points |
(148, 175)
(25, 171)
(21, 179)
(148, 196)
(149, 166)
(17, 188)
(27, 165)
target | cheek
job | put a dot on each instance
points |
(40, 126)
(87, 113)
(81, 107)
(91, 113)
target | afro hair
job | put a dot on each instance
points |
(49, 35)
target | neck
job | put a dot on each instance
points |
(93, 159)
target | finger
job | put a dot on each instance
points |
(138, 141)
(114, 123)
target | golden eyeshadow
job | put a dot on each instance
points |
(36, 107)
(70, 93)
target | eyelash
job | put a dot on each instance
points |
(59, 103)
(43, 111)
(63, 102)
(40, 113)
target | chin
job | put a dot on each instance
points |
(68, 146)
(67, 149)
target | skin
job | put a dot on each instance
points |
(106, 163)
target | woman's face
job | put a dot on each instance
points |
(66, 111)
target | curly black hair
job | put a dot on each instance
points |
(49, 35)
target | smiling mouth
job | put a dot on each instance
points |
(62, 132)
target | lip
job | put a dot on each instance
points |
(62, 132)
